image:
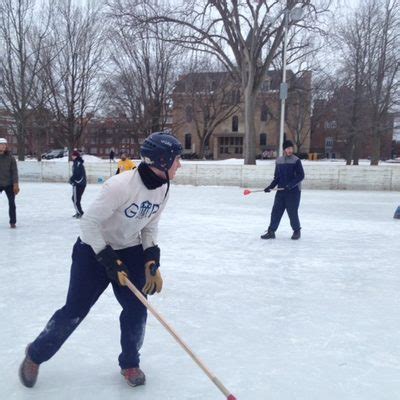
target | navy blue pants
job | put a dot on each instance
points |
(88, 281)
(77, 192)
(288, 200)
(11, 202)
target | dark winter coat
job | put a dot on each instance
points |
(78, 177)
(8, 169)
(288, 173)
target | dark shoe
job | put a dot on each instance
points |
(75, 216)
(13, 226)
(268, 235)
(296, 235)
(134, 376)
(28, 371)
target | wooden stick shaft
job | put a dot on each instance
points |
(173, 333)
(261, 190)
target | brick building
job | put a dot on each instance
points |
(228, 137)
(332, 127)
(100, 136)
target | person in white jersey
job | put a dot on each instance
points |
(118, 237)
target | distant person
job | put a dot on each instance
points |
(9, 180)
(78, 182)
(112, 156)
(125, 164)
(288, 176)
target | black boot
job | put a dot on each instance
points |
(296, 235)
(270, 234)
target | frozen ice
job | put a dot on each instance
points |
(317, 319)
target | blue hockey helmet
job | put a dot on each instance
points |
(160, 150)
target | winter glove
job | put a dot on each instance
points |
(16, 188)
(116, 270)
(267, 189)
(154, 280)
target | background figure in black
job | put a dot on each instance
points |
(78, 182)
(112, 156)
(9, 180)
(288, 176)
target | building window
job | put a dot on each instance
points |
(266, 86)
(263, 139)
(330, 125)
(264, 113)
(188, 141)
(235, 96)
(189, 114)
(235, 123)
(231, 145)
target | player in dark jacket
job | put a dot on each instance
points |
(288, 176)
(9, 180)
(78, 182)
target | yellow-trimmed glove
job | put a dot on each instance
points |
(154, 280)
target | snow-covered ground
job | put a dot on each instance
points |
(317, 319)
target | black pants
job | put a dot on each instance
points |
(11, 202)
(288, 200)
(77, 192)
(88, 280)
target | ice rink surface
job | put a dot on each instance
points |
(317, 319)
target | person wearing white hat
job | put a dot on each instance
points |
(9, 180)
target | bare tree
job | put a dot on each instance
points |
(370, 43)
(72, 62)
(21, 41)
(244, 35)
(144, 70)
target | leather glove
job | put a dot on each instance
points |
(16, 188)
(154, 280)
(267, 189)
(116, 270)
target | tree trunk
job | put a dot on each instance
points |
(201, 150)
(249, 121)
(376, 149)
(21, 147)
(356, 152)
(349, 152)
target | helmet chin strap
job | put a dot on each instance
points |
(168, 183)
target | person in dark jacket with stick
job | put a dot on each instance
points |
(288, 176)
(9, 180)
(78, 182)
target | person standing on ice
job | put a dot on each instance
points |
(9, 180)
(125, 164)
(288, 176)
(78, 182)
(118, 239)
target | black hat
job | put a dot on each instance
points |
(287, 143)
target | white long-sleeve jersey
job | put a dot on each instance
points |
(125, 214)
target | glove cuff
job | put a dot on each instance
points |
(152, 254)
(107, 256)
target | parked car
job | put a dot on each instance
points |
(57, 153)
